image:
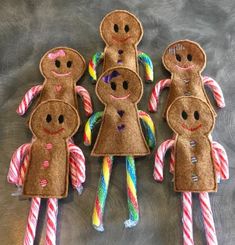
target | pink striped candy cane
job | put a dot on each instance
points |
(208, 218)
(216, 90)
(13, 176)
(52, 211)
(23, 169)
(86, 99)
(216, 161)
(154, 98)
(187, 218)
(32, 221)
(26, 101)
(159, 159)
(222, 158)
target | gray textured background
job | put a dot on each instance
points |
(30, 28)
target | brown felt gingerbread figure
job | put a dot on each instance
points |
(42, 167)
(121, 32)
(61, 67)
(185, 60)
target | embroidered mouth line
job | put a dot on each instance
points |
(191, 129)
(119, 98)
(185, 68)
(121, 40)
(53, 133)
(61, 74)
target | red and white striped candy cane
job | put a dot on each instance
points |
(159, 159)
(13, 176)
(77, 165)
(208, 218)
(23, 169)
(216, 161)
(52, 211)
(86, 99)
(187, 218)
(222, 158)
(32, 221)
(26, 101)
(216, 90)
(154, 97)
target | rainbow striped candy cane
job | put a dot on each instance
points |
(97, 217)
(93, 63)
(149, 127)
(146, 61)
(131, 193)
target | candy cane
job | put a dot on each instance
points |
(77, 165)
(32, 221)
(86, 99)
(23, 169)
(13, 176)
(98, 212)
(131, 193)
(154, 98)
(208, 219)
(146, 61)
(159, 159)
(96, 59)
(26, 101)
(52, 211)
(216, 90)
(187, 218)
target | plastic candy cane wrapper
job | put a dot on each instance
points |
(198, 161)
(42, 168)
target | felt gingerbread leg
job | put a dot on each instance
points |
(187, 218)
(32, 221)
(131, 193)
(97, 218)
(208, 219)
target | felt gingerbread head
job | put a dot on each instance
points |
(121, 32)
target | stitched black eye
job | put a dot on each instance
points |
(61, 119)
(116, 28)
(125, 85)
(196, 115)
(57, 63)
(113, 86)
(69, 63)
(178, 57)
(184, 115)
(189, 57)
(126, 28)
(48, 118)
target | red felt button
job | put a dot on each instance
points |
(45, 164)
(43, 182)
(49, 146)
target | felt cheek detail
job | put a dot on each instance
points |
(53, 132)
(191, 129)
(53, 56)
(119, 98)
(61, 74)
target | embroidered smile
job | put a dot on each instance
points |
(191, 129)
(61, 74)
(121, 40)
(53, 132)
(119, 98)
(185, 68)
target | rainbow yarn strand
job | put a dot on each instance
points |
(92, 121)
(149, 128)
(96, 59)
(146, 61)
(131, 193)
(97, 218)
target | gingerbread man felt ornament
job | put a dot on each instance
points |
(185, 60)
(119, 89)
(121, 32)
(199, 162)
(42, 167)
(61, 67)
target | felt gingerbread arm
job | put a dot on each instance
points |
(14, 173)
(26, 101)
(159, 159)
(216, 90)
(149, 128)
(92, 121)
(77, 167)
(83, 93)
(147, 62)
(93, 63)
(154, 97)
(221, 160)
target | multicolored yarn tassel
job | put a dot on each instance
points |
(97, 218)
(149, 127)
(131, 193)
(146, 61)
(92, 121)
(96, 59)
